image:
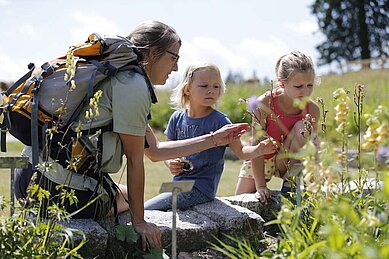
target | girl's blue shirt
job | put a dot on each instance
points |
(207, 165)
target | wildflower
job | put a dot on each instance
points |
(342, 108)
(341, 127)
(301, 103)
(377, 131)
(320, 100)
(330, 177)
(339, 93)
(252, 103)
(73, 85)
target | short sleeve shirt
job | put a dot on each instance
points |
(125, 102)
(208, 165)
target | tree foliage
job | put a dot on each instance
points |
(354, 29)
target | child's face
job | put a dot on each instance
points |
(205, 88)
(299, 85)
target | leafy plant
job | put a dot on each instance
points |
(342, 214)
(25, 236)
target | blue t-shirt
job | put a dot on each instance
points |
(207, 165)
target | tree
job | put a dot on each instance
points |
(355, 29)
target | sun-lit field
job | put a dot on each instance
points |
(156, 174)
(376, 92)
(330, 219)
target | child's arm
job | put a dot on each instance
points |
(251, 151)
(258, 163)
(265, 146)
(258, 169)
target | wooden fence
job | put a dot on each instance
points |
(12, 163)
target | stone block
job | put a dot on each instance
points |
(233, 220)
(117, 248)
(267, 211)
(96, 236)
(193, 230)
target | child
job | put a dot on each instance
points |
(288, 124)
(195, 98)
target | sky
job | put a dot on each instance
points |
(242, 36)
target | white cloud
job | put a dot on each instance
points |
(4, 2)
(28, 31)
(90, 22)
(210, 49)
(10, 68)
(261, 55)
(249, 55)
(303, 27)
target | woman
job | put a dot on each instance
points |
(126, 101)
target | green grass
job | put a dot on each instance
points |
(376, 92)
(376, 89)
(156, 174)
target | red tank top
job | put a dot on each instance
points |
(279, 127)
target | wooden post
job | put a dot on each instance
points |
(175, 188)
(296, 170)
(13, 162)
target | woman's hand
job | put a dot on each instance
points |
(263, 194)
(150, 234)
(229, 133)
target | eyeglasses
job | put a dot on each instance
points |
(173, 54)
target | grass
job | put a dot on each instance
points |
(156, 174)
(377, 92)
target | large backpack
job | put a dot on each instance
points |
(40, 109)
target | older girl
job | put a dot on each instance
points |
(286, 122)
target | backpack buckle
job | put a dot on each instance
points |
(47, 69)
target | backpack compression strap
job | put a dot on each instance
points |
(3, 139)
(47, 70)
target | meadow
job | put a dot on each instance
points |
(330, 221)
(376, 92)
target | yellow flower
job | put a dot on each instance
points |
(342, 107)
(340, 117)
(340, 127)
(383, 130)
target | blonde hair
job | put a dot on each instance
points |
(178, 98)
(296, 61)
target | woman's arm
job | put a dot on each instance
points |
(159, 151)
(133, 150)
(175, 165)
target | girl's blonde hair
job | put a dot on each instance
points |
(178, 98)
(296, 61)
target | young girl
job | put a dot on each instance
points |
(196, 97)
(284, 121)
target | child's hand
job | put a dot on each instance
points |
(263, 194)
(267, 146)
(175, 166)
